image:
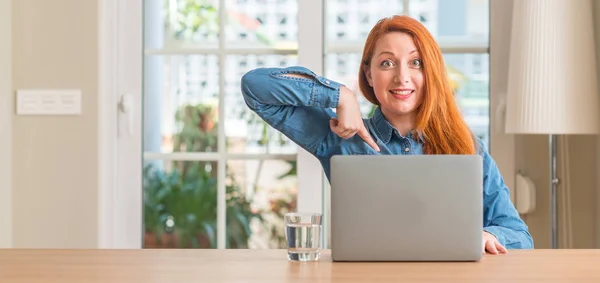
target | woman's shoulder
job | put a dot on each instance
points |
(489, 165)
(480, 146)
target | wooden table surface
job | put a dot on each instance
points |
(53, 266)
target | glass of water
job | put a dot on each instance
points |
(303, 236)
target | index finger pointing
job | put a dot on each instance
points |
(364, 134)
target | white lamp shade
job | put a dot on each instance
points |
(552, 82)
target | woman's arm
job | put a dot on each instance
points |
(298, 103)
(500, 217)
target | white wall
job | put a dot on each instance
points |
(5, 125)
(502, 145)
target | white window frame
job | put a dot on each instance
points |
(6, 112)
(107, 137)
(119, 147)
(312, 192)
(120, 222)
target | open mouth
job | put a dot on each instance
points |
(401, 93)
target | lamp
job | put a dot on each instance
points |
(552, 82)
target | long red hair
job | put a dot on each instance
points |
(439, 120)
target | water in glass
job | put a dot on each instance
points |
(303, 235)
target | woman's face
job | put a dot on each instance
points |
(396, 74)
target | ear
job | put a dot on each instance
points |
(367, 71)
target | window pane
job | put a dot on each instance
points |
(183, 23)
(348, 22)
(180, 204)
(181, 101)
(262, 23)
(245, 131)
(469, 75)
(259, 193)
(454, 22)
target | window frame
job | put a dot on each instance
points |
(119, 145)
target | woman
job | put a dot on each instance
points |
(403, 73)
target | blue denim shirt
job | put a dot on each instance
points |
(300, 108)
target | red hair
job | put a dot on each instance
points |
(439, 120)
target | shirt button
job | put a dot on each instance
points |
(327, 82)
(407, 149)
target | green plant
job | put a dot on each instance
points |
(182, 200)
(186, 206)
(183, 204)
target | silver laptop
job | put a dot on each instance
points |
(406, 208)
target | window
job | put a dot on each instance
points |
(215, 175)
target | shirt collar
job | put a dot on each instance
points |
(385, 130)
(383, 127)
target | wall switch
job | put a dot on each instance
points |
(49, 102)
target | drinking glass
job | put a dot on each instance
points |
(303, 236)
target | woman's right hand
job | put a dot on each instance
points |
(349, 120)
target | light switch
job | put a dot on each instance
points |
(49, 102)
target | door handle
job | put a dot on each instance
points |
(126, 107)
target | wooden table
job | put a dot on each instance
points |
(177, 266)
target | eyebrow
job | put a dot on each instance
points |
(391, 53)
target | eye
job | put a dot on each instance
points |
(387, 64)
(416, 62)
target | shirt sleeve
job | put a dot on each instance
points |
(300, 108)
(500, 217)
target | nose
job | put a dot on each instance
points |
(403, 75)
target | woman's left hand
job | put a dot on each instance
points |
(492, 245)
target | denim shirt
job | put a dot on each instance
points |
(301, 109)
